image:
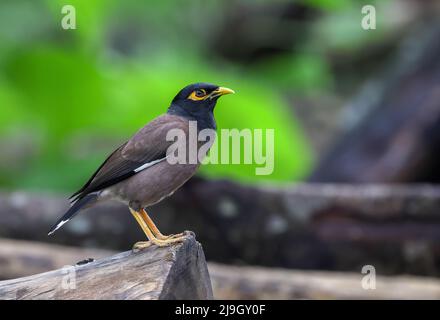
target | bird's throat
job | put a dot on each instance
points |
(205, 118)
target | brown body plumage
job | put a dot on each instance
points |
(161, 179)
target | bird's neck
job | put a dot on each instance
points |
(205, 119)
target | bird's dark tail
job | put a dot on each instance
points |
(74, 209)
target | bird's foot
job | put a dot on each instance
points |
(164, 241)
(169, 240)
(171, 236)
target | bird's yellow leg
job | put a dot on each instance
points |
(156, 232)
(145, 229)
(150, 235)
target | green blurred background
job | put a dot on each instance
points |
(68, 97)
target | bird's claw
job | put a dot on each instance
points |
(171, 236)
(141, 245)
(162, 241)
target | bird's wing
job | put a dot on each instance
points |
(147, 147)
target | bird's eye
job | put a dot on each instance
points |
(200, 93)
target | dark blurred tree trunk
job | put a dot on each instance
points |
(332, 227)
(398, 140)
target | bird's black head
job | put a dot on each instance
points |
(197, 102)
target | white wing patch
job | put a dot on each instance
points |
(148, 164)
(59, 225)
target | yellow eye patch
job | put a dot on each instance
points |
(197, 95)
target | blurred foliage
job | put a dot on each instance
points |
(69, 96)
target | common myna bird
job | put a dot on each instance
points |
(138, 173)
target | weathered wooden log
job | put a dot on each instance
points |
(21, 258)
(306, 226)
(175, 272)
(263, 283)
(397, 138)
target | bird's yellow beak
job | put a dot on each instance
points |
(221, 91)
